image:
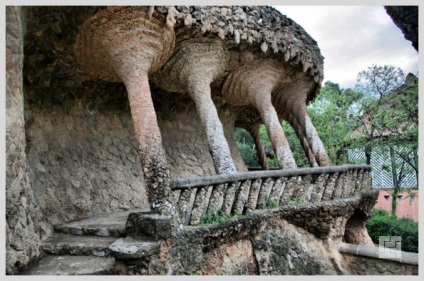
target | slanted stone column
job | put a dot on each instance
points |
(315, 142)
(276, 135)
(252, 84)
(254, 132)
(196, 63)
(304, 142)
(290, 100)
(126, 44)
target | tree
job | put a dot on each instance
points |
(378, 81)
(246, 146)
(389, 115)
(333, 114)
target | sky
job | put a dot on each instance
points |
(352, 38)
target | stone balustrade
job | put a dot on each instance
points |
(242, 193)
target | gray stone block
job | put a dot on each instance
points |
(153, 225)
(134, 248)
(72, 265)
(78, 245)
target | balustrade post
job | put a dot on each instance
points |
(340, 189)
(288, 190)
(351, 182)
(252, 200)
(199, 205)
(217, 198)
(184, 204)
(242, 196)
(277, 190)
(302, 188)
(230, 194)
(329, 187)
(264, 192)
(319, 188)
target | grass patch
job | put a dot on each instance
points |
(297, 202)
(272, 204)
(214, 218)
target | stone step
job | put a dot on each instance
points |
(72, 265)
(78, 245)
(134, 247)
(105, 225)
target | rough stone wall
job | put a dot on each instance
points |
(359, 265)
(184, 138)
(22, 241)
(270, 246)
(84, 159)
(267, 242)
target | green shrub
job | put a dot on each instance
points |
(271, 204)
(380, 213)
(382, 224)
(214, 217)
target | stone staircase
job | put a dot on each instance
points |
(92, 246)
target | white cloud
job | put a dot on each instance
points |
(351, 38)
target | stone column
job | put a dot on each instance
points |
(252, 84)
(315, 142)
(152, 154)
(199, 90)
(305, 145)
(290, 100)
(195, 64)
(22, 240)
(127, 44)
(254, 132)
(276, 135)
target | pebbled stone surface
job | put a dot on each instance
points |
(78, 245)
(103, 225)
(21, 221)
(153, 225)
(72, 265)
(134, 247)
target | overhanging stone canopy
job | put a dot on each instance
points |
(278, 73)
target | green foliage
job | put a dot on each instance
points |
(390, 107)
(341, 118)
(382, 224)
(245, 145)
(389, 115)
(272, 204)
(332, 114)
(379, 213)
(295, 146)
(214, 218)
(294, 143)
(271, 157)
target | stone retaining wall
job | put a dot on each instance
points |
(365, 260)
(22, 240)
(265, 242)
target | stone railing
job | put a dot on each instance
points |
(242, 193)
